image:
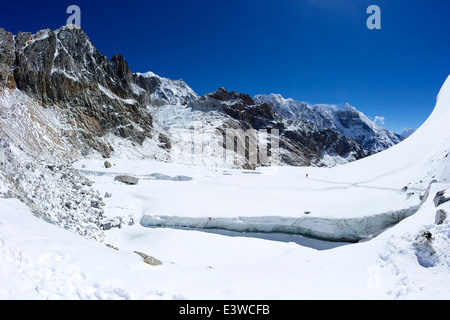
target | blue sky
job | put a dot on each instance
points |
(318, 51)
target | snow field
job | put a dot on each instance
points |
(409, 260)
(41, 261)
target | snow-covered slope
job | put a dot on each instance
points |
(24, 122)
(424, 156)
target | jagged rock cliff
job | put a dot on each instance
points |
(63, 68)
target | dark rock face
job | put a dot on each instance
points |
(164, 141)
(223, 95)
(440, 198)
(312, 143)
(440, 217)
(7, 59)
(64, 68)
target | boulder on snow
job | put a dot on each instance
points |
(441, 215)
(108, 224)
(97, 204)
(149, 259)
(441, 198)
(425, 253)
(127, 180)
(107, 164)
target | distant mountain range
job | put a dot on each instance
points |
(74, 102)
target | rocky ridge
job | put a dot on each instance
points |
(303, 145)
(102, 97)
(347, 120)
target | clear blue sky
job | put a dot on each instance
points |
(318, 51)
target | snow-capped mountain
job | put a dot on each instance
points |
(348, 121)
(172, 92)
(407, 132)
(97, 105)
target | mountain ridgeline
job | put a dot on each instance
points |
(81, 104)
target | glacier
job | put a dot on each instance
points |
(341, 230)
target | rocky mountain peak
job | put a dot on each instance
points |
(124, 72)
(63, 68)
(222, 94)
(347, 120)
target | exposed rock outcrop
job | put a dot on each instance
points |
(441, 197)
(149, 259)
(127, 180)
